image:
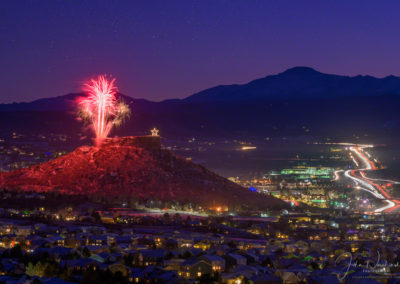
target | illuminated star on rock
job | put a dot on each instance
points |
(154, 132)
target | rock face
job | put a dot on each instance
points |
(134, 166)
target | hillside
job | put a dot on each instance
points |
(134, 167)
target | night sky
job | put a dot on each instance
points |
(172, 49)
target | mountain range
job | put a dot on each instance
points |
(301, 103)
(301, 83)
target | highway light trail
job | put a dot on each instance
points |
(351, 175)
(337, 176)
(362, 182)
(388, 207)
(375, 179)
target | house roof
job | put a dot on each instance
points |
(81, 262)
(237, 256)
(212, 257)
(192, 261)
(156, 253)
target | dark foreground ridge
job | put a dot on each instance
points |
(135, 167)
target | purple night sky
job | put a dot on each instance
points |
(172, 49)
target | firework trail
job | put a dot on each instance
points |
(101, 108)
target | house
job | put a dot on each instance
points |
(287, 277)
(217, 263)
(137, 274)
(147, 242)
(323, 279)
(170, 243)
(250, 257)
(80, 264)
(57, 252)
(149, 257)
(23, 230)
(152, 274)
(72, 242)
(12, 267)
(246, 270)
(264, 279)
(96, 249)
(126, 239)
(203, 245)
(232, 278)
(104, 257)
(185, 242)
(161, 276)
(232, 260)
(98, 240)
(118, 267)
(157, 275)
(56, 240)
(195, 268)
(111, 239)
(173, 264)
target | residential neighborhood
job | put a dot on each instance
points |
(177, 248)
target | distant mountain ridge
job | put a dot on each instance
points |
(294, 83)
(299, 102)
(59, 103)
(302, 83)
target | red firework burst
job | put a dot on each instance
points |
(101, 106)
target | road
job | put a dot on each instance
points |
(365, 163)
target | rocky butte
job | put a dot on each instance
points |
(135, 167)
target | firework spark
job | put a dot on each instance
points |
(101, 108)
